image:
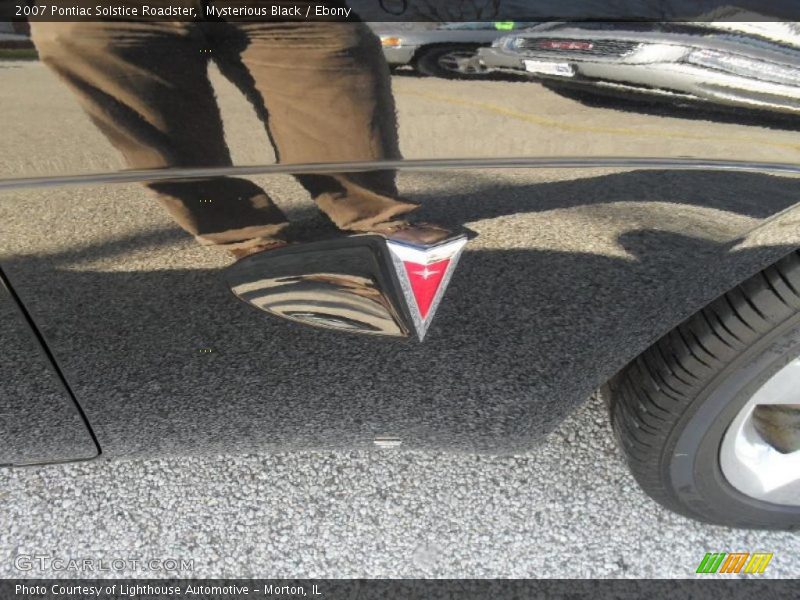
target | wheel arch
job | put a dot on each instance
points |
(757, 249)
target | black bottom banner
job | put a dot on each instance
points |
(351, 589)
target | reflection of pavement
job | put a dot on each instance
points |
(386, 513)
(522, 118)
(438, 118)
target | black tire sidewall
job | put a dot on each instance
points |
(692, 464)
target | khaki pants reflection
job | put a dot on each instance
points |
(322, 90)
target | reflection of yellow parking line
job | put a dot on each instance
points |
(527, 117)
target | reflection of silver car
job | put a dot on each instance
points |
(448, 50)
(677, 61)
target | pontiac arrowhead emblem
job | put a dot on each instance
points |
(424, 273)
(359, 283)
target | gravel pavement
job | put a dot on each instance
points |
(569, 509)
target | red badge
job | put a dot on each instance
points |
(424, 273)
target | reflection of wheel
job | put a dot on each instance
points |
(709, 416)
(451, 61)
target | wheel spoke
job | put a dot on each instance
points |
(781, 388)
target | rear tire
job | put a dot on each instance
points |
(672, 407)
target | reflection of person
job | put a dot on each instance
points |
(321, 88)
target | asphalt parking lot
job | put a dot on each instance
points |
(567, 508)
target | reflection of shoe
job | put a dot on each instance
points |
(420, 234)
(240, 253)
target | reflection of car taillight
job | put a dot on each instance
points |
(564, 45)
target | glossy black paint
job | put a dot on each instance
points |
(168, 361)
(39, 421)
(598, 224)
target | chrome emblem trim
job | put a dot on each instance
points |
(424, 272)
(360, 283)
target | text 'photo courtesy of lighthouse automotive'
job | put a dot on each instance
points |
(412, 237)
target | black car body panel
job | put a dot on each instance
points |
(594, 230)
(166, 360)
(39, 420)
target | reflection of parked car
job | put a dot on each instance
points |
(449, 50)
(15, 41)
(676, 61)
